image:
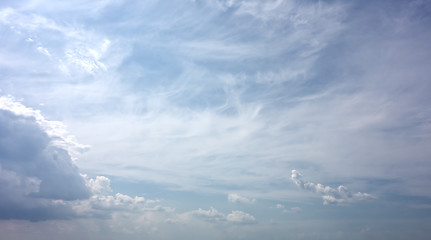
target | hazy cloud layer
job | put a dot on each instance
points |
(285, 210)
(235, 198)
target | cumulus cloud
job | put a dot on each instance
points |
(213, 215)
(55, 130)
(34, 171)
(339, 195)
(98, 185)
(240, 217)
(38, 178)
(103, 203)
(235, 198)
(37, 171)
(209, 215)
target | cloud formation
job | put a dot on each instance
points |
(240, 217)
(291, 210)
(35, 172)
(38, 178)
(235, 198)
(339, 195)
(212, 215)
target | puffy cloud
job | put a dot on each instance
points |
(99, 185)
(103, 203)
(240, 217)
(338, 195)
(38, 178)
(213, 215)
(36, 172)
(235, 198)
(209, 215)
(56, 131)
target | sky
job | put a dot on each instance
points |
(215, 119)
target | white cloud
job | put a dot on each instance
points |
(240, 217)
(235, 198)
(212, 215)
(99, 185)
(209, 215)
(44, 51)
(340, 195)
(291, 210)
(82, 49)
(55, 129)
(39, 180)
(88, 58)
(13, 17)
(280, 206)
(37, 174)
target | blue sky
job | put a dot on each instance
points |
(224, 119)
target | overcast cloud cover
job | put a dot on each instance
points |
(223, 119)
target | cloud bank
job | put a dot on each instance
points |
(38, 178)
(36, 172)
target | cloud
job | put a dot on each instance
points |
(35, 172)
(291, 210)
(240, 217)
(235, 198)
(55, 130)
(44, 51)
(99, 185)
(340, 195)
(81, 49)
(38, 178)
(212, 215)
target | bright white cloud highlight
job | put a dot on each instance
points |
(44, 51)
(209, 215)
(240, 217)
(99, 185)
(55, 129)
(339, 195)
(39, 180)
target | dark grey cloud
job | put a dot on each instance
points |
(36, 176)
